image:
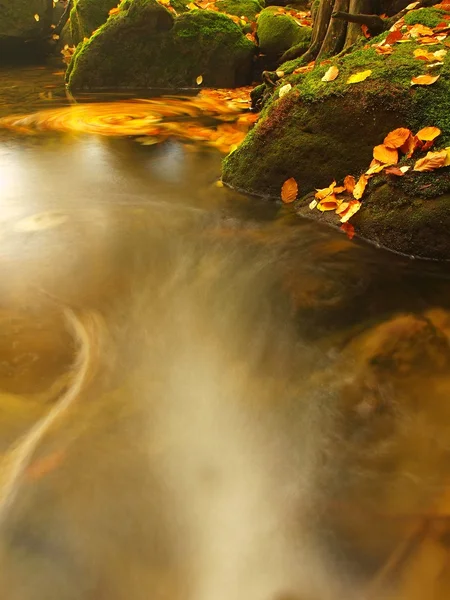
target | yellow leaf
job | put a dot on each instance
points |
(387, 156)
(289, 190)
(329, 203)
(397, 137)
(312, 204)
(424, 79)
(428, 133)
(331, 74)
(433, 160)
(358, 77)
(360, 187)
(375, 167)
(284, 90)
(447, 160)
(280, 74)
(199, 80)
(350, 210)
(37, 17)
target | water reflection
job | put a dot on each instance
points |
(262, 404)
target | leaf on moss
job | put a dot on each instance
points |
(284, 89)
(433, 160)
(360, 187)
(411, 145)
(331, 74)
(393, 36)
(424, 79)
(385, 155)
(397, 137)
(358, 77)
(289, 191)
(427, 134)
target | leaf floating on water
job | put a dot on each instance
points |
(433, 160)
(424, 79)
(199, 80)
(387, 156)
(41, 221)
(284, 90)
(331, 74)
(397, 137)
(358, 77)
(427, 134)
(289, 191)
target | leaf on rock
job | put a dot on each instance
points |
(397, 137)
(411, 145)
(312, 204)
(349, 183)
(114, 11)
(329, 203)
(347, 213)
(387, 156)
(433, 160)
(393, 36)
(331, 74)
(394, 171)
(348, 229)
(284, 89)
(424, 79)
(289, 191)
(358, 77)
(199, 80)
(375, 167)
(324, 192)
(428, 134)
(360, 187)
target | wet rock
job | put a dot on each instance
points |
(145, 46)
(23, 21)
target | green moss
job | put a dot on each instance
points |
(146, 47)
(87, 15)
(240, 8)
(278, 32)
(425, 16)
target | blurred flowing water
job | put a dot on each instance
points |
(264, 408)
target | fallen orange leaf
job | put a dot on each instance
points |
(360, 187)
(433, 160)
(331, 74)
(424, 79)
(393, 36)
(329, 203)
(397, 137)
(411, 145)
(427, 134)
(348, 229)
(385, 155)
(289, 190)
(350, 210)
(349, 183)
(324, 192)
(114, 11)
(375, 167)
(384, 49)
(394, 171)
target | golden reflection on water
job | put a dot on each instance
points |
(264, 411)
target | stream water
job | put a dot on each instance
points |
(203, 397)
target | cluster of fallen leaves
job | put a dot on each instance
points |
(345, 200)
(154, 120)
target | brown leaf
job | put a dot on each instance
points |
(289, 191)
(427, 134)
(331, 74)
(394, 171)
(384, 49)
(385, 155)
(393, 36)
(433, 160)
(424, 79)
(397, 137)
(349, 183)
(360, 187)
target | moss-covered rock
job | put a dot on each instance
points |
(87, 15)
(145, 46)
(277, 32)
(241, 8)
(322, 131)
(18, 21)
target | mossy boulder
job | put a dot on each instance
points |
(18, 21)
(241, 8)
(320, 131)
(87, 15)
(145, 46)
(277, 32)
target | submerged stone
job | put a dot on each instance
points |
(146, 46)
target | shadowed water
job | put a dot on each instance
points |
(243, 405)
